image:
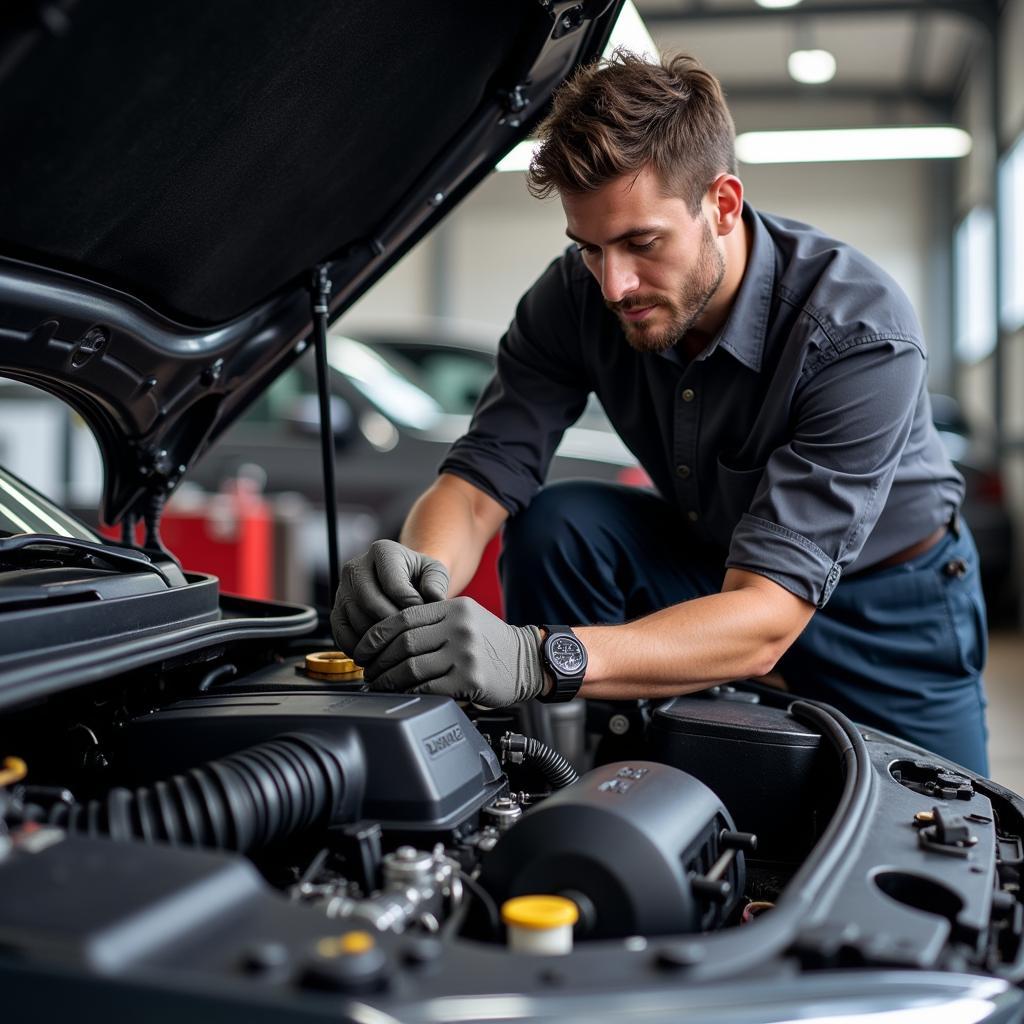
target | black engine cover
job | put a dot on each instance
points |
(417, 763)
(627, 838)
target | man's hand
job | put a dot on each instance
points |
(456, 649)
(384, 580)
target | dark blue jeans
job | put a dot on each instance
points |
(901, 649)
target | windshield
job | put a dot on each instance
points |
(391, 391)
(454, 376)
(23, 510)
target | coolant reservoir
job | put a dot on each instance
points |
(540, 924)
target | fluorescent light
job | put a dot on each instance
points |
(631, 34)
(519, 158)
(812, 67)
(918, 142)
(774, 5)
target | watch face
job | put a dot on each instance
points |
(566, 654)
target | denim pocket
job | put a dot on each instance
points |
(904, 616)
(950, 569)
(966, 604)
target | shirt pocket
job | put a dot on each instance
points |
(734, 490)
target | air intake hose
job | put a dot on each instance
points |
(555, 768)
(246, 801)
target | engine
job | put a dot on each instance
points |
(398, 813)
(230, 822)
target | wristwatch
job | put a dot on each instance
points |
(565, 659)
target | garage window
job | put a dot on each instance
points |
(974, 269)
(1011, 189)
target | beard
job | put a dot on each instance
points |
(684, 311)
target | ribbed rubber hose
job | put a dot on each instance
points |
(555, 768)
(242, 802)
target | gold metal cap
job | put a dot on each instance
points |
(333, 666)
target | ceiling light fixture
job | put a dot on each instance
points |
(774, 5)
(519, 157)
(916, 142)
(630, 33)
(811, 67)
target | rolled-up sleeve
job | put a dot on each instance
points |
(822, 492)
(538, 389)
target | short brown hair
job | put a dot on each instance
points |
(616, 116)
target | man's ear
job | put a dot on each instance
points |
(726, 196)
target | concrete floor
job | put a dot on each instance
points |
(1004, 682)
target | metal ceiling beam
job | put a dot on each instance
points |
(917, 57)
(984, 12)
(939, 103)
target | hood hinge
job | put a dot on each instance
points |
(569, 15)
(156, 467)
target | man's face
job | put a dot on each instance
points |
(657, 265)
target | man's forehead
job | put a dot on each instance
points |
(629, 195)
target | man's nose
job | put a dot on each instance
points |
(618, 279)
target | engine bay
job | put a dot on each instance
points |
(331, 839)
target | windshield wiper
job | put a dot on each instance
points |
(115, 556)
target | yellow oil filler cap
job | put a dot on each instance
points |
(540, 924)
(13, 770)
(332, 667)
(350, 944)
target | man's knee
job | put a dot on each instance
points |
(560, 515)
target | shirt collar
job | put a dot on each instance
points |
(743, 334)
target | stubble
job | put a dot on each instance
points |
(685, 311)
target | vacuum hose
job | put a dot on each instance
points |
(555, 768)
(242, 802)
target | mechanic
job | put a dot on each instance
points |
(771, 381)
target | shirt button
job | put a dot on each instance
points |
(692, 516)
(682, 472)
(688, 394)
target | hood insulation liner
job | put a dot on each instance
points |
(201, 156)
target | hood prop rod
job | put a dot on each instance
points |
(320, 297)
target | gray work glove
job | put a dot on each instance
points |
(384, 580)
(455, 649)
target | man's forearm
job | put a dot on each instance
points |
(452, 522)
(735, 634)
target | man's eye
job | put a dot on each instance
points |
(642, 246)
(586, 250)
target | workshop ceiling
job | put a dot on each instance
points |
(880, 49)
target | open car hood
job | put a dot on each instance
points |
(176, 172)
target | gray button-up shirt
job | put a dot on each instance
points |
(799, 444)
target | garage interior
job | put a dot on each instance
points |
(233, 357)
(949, 229)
